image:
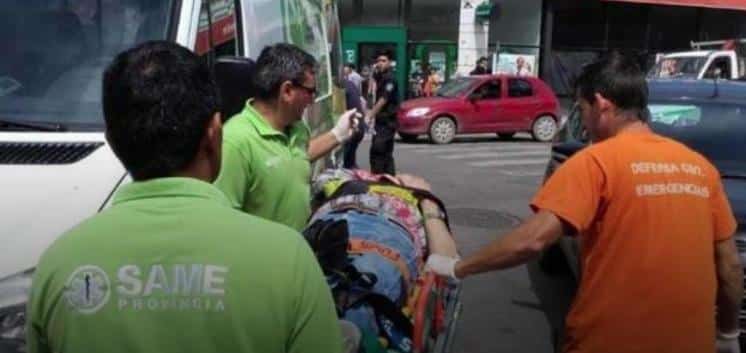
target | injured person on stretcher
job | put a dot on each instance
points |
(372, 235)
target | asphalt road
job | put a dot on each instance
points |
(486, 184)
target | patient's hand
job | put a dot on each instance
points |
(414, 182)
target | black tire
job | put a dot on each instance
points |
(408, 137)
(442, 130)
(505, 135)
(544, 128)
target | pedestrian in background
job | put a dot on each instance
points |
(522, 68)
(170, 266)
(268, 150)
(660, 268)
(432, 82)
(482, 67)
(383, 116)
(352, 75)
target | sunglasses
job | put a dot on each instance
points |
(310, 90)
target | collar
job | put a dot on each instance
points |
(168, 188)
(263, 127)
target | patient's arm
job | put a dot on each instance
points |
(439, 238)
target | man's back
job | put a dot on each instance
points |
(171, 268)
(649, 212)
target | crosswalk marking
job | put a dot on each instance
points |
(496, 154)
(516, 159)
(475, 148)
(510, 162)
(522, 173)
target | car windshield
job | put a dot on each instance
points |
(456, 87)
(678, 67)
(60, 49)
(715, 129)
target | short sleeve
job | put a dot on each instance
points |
(316, 327)
(574, 192)
(36, 336)
(723, 221)
(235, 175)
(388, 91)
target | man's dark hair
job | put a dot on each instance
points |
(278, 64)
(385, 52)
(158, 99)
(351, 66)
(481, 60)
(618, 78)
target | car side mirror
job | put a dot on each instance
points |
(475, 97)
(235, 77)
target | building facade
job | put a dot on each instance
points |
(558, 36)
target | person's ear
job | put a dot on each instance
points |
(602, 103)
(286, 92)
(213, 142)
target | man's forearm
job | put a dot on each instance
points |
(377, 108)
(321, 145)
(515, 248)
(507, 251)
(730, 286)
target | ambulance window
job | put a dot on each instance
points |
(217, 31)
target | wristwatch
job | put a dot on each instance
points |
(430, 214)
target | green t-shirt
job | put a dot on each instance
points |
(171, 268)
(266, 172)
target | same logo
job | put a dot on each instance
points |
(88, 289)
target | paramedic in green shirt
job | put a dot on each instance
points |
(267, 149)
(170, 266)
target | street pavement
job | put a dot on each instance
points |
(486, 184)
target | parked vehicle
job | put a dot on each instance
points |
(722, 59)
(706, 121)
(56, 167)
(482, 104)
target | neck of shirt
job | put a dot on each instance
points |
(171, 187)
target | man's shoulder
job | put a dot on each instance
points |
(90, 233)
(238, 130)
(250, 229)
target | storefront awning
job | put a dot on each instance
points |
(718, 4)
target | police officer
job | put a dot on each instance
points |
(383, 116)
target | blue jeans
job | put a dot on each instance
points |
(382, 231)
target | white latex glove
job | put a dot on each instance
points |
(728, 343)
(442, 265)
(345, 125)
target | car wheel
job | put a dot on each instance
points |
(442, 130)
(506, 135)
(544, 128)
(408, 137)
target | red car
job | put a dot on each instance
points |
(477, 104)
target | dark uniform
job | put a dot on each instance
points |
(382, 147)
(353, 100)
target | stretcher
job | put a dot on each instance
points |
(368, 235)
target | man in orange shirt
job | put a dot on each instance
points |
(657, 253)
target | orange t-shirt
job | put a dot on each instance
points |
(648, 211)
